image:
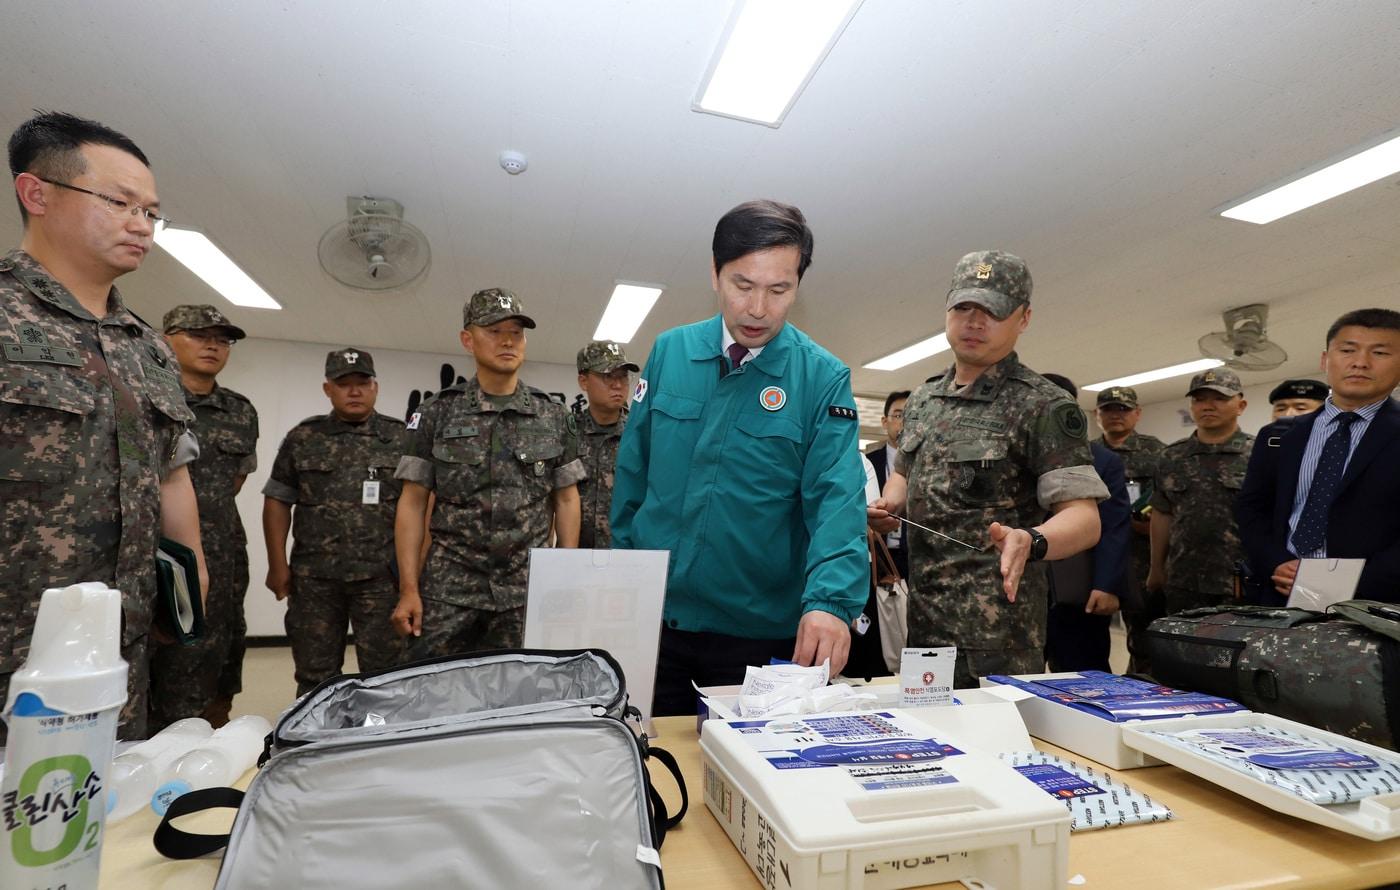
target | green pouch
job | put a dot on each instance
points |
(179, 606)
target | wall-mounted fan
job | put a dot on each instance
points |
(1244, 344)
(374, 249)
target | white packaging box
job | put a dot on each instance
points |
(1376, 818)
(970, 817)
(1074, 730)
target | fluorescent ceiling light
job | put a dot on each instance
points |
(626, 310)
(769, 51)
(204, 259)
(910, 354)
(1204, 364)
(1337, 178)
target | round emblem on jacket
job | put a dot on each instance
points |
(772, 398)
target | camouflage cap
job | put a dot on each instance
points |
(603, 357)
(348, 361)
(1221, 380)
(995, 280)
(492, 305)
(1302, 388)
(1118, 395)
(198, 317)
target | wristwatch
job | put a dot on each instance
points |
(1039, 546)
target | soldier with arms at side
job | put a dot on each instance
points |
(989, 447)
(202, 678)
(334, 478)
(495, 456)
(604, 375)
(93, 439)
(1196, 548)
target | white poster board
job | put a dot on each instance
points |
(1322, 582)
(602, 599)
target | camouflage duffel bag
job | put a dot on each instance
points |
(1338, 671)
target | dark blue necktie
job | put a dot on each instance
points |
(1311, 532)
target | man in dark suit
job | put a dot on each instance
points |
(1329, 486)
(882, 458)
(1085, 588)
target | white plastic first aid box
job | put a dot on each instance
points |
(1135, 743)
(878, 800)
(1073, 729)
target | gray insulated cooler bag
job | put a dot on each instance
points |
(509, 769)
(1338, 671)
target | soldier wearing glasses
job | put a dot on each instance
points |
(203, 678)
(93, 438)
(605, 376)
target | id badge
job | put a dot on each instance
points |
(1134, 492)
(370, 493)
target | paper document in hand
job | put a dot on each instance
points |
(1322, 582)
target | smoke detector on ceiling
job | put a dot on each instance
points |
(514, 162)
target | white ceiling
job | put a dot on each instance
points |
(1092, 138)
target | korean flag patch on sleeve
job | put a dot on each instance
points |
(413, 420)
(641, 391)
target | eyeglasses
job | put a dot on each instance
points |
(115, 205)
(895, 415)
(213, 339)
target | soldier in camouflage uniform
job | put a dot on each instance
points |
(93, 443)
(494, 455)
(1118, 413)
(202, 678)
(988, 448)
(334, 477)
(1195, 543)
(604, 375)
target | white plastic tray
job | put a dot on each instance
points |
(1375, 818)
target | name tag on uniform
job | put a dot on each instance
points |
(370, 492)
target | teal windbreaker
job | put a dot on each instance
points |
(751, 479)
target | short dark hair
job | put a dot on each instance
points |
(1386, 319)
(1063, 382)
(48, 145)
(895, 397)
(760, 225)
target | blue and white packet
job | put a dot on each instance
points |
(1118, 699)
(1311, 769)
(1094, 799)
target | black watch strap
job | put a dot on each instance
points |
(1039, 546)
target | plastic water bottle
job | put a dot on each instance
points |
(220, 760)
(62, 715)
(140, 770)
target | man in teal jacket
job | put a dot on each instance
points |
(740, 458)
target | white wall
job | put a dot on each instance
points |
(1171, 420)
(283, 379)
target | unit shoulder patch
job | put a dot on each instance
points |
(1069, 419)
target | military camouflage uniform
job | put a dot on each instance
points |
(494, 464)
(596, 446)
(1196, 486)
(342, 548)
(91, 412)
(1140, 453)
(597, 449)
(184, 679)
(1005, 448)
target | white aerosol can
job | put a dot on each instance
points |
(62, 715)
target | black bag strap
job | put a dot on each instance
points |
(661, 820)
(172, 843)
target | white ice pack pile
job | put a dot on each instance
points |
(1312, 769)
(781, 690)
(1094, 798)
